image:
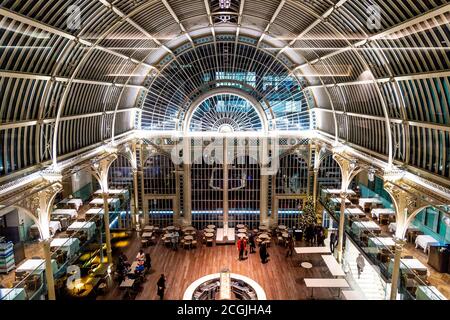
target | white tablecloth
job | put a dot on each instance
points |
(393, 227)
(114, 192)
(412, 264)
(354, 211)
(364, 201)
(99, 201)
(94, 211)
(77, 203)
(381, 242)
(38, 265)
(12, 294)
(339, 200)
(65, 212)
(88, 227)
(338, 191)
(382, 211)
(359, 226)
(71, 245)
(54, 226)
(424, 241)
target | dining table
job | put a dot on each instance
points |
(207, 230)
(209, 234)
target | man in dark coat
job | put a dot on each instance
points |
(161, 284)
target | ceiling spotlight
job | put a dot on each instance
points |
(225, 4)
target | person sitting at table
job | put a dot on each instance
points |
(251, 242)
(140, 256)
(124, 260)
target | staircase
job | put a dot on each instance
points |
(370, 284)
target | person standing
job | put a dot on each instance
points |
(244, 247)
(360, 264)
(239, 248)
(290, 249)
(161, 284)
(174, 240)
(332, 241)
(251, 242)
(263, 254)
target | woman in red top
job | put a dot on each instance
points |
(241, 248)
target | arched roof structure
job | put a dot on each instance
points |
(380, 85)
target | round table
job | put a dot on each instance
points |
(264, 236)
(263, 228)
(242, 231)
(188, 229)
(242, 235)
(282, 227)
(148, 228)
(188, 238)
(170, 228)
(306, 265)
(209, 234)
(211, 226)
(208, 230)
(240, 226)
(285, 235)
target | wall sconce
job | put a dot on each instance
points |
(371, 174)
(353, 164)
(446, 220)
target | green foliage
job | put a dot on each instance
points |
(309, 214)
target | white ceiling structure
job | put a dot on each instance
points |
(372, 74)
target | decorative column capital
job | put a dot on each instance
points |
(343, 195)
(399, 243)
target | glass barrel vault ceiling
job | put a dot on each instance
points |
(225, 65)
(65, 89)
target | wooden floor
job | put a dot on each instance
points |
(281, 277)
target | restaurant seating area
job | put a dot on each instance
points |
(373, 228)
(224, 150)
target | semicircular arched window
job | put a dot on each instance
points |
(225, 113)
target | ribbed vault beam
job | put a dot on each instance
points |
(35, 76)
(426, 125)
(399, 27)
(324, 16)
(20, 124)
(238, 30)
(414, 76)
(39, 25)
(213, 29)
(272, 20)
(128, 19)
